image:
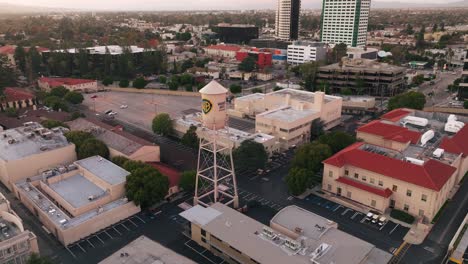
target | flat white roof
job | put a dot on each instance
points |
(200, 215)
(77, 189)
(104, 169)
(288, 114)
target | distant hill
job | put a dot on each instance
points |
(6, 8)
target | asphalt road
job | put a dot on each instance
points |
(441, 96)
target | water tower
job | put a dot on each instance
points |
(216, 180)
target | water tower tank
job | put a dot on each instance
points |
(214, 105)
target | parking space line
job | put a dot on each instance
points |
(100, 239)
(347, 210)
(394, 228)
(363, 219)
(69, 251)
(78, 244)
(356, 214)
(267, 202)
(132, 222)
(90, 243)
(338, 207)
(108, 234)
(140, 219)
(122, 224)
(261, 200)
(116, 230)
(382, 227)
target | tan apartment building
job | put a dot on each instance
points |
(76, 200)
(295, 236)
(17, 98)
(363, 76)
(288, 114)
(16, 243)
(120, 143)
(407, 160)
(77, 85)
(27, 150)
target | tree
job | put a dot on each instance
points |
(412, 99)
(309, 72)
(297, 181)
(434, 28)
(139, 83)
(50, 123)
(250, 155)
(56, 103)
(119, 160)
(124, 83)
(74, 97)
(162, 124)
(248, 64)
(190, 138)
(235, 88)
(465, 105)
(59, 91)
(337, 140)
(420, 44)
(8, 74)
(409, 30)
(316, 129)
(146, 186)
(173, 86)
(418, 80)
(310, 157)
(78, 137)
(338, 52)
(107, 81)
(187, 180)
(92, 147)
(257, 90)
(20, 58)
(162, 79)
(36, 259)
(11, 112)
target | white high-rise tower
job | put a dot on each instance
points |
(216, 180)
(345, 21)
(287, 19)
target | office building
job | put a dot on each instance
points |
(295, 236)
(305, 51)
(287, 114)
(345, 21)
(236, 33)
(263, 58)
(16, 243)
(27, 150)
(287, 19)
(362, 53)
(145, 251)
(363, 77)
(409, 160)
(75, 200)
(222, 50)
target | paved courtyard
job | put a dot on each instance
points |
(141, 107)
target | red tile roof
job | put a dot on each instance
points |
(432, 175)
(172, 174)
(17, 94)
(54, 82)
(396, 114)
(457, 144)
(225, 47)
(365, 187)
(7, 50)
(391, 132)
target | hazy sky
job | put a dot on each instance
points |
(177, 4)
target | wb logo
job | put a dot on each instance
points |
(206, 106)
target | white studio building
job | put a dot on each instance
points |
(305, 51)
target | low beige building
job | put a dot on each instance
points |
(77, 85)
(288, 114)
(145, 251)
(294, 236)
(16, 243)
(358, 104)
(26, 150)
(17, 98)
(120, 143)
(76, 200)
(410, 160)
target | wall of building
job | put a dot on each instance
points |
(380, 141)
(15, 170)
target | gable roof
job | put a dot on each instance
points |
(432, 175)
(17, 94)
(64, 81)
(457, 144)
(396, 114)
(391, 132)
(172, 174)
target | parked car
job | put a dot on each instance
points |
(382, 221)
(375, 219)
(369, 216)
(123, 106)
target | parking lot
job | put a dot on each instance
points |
(98, 240)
